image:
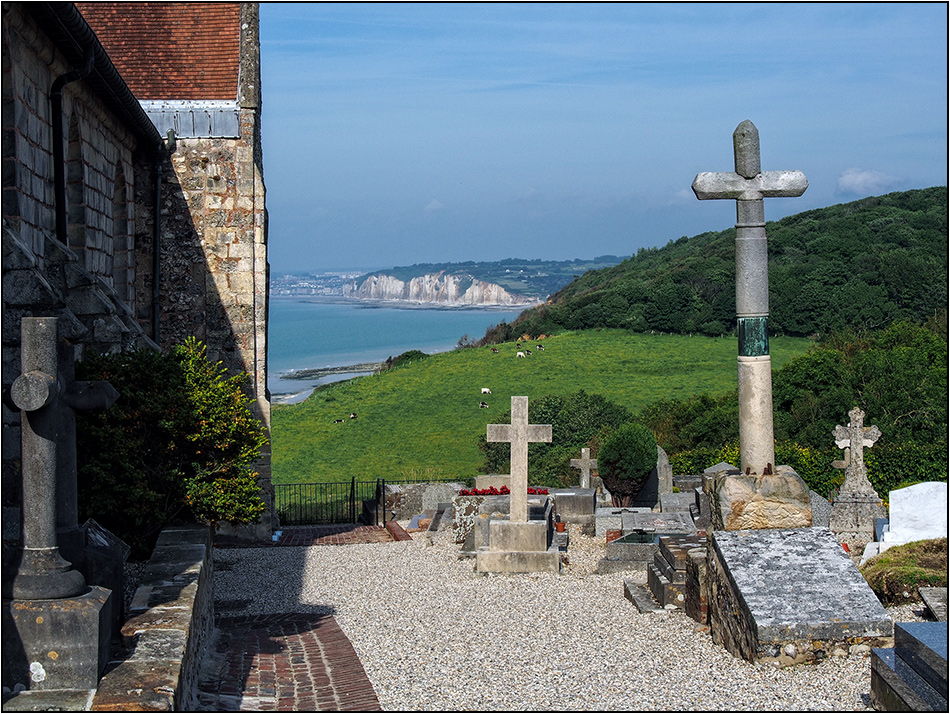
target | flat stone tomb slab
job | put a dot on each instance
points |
(675, 523)
(794, 586)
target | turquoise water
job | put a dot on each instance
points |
(309, 334)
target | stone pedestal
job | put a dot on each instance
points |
(853, 516)
(740, 501)
(576, 505)
(57, 644)
(515, 547)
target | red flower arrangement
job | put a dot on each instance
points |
(503, 491)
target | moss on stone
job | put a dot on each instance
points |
(895, 574)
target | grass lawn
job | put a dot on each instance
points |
(423, 420)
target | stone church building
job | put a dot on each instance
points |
(133, 191)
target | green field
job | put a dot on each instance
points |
(423, 420)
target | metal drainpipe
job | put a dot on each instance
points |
(169, 147)
(59, 151)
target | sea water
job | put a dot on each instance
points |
(307, 333)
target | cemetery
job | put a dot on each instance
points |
(735, 588)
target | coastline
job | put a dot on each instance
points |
(366, 303)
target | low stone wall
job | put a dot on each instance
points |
(406, 500)
(171, 622)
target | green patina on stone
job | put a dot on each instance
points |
(753, 336)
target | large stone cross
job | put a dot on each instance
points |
(586, 464)
(748, 186)
(519, 433)
(854, 438)
(48, 397)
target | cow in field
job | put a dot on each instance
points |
(540, 348)
(486, 390)
(337, 421)
(494, 350)
(528, 352)
(353, 415)
(482, 405)
(520, 354)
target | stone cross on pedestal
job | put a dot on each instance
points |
(519, 433)
(47, 395)
(854, 438)
(586, 464)
(748, 186)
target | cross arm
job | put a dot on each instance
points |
(768, 184)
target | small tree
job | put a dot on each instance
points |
(625, 460)
(176, 446)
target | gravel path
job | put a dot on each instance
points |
(434, 635)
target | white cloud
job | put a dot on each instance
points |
(864, 182)
(433, 205)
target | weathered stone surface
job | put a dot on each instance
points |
(789, 596)
(752, 502)
(697, 606)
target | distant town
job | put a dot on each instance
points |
(323, 284)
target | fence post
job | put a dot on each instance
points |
(353, 500)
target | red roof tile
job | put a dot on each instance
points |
(171, 50)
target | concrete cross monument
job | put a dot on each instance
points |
(586, 464)
(857, 504)
(519, 433)
(748, 186)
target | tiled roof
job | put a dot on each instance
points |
(186, 51)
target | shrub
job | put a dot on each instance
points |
(626, 459)
(176, 446)
(895, 574)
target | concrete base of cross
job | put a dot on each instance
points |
(518, 548)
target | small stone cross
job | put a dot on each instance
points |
(748, 186)
(519, 433)
(854, 438)
(586, 464)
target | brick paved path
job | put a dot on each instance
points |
(284, 662)
(345, 534)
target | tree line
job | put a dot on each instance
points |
(864, 264)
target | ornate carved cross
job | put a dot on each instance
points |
(854, 438)
(519, 433)
(748, 186)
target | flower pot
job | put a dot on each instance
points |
(560, 526)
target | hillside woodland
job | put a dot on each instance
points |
(863, 264)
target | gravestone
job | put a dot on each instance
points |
(857, 505)
(586, 464)
(917, 512)
(658, 483)
(56, 629)
(749, 186)
(666, 575)
(790, 596)
(519, 545)
(911, 676)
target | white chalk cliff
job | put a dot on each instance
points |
(439, 288)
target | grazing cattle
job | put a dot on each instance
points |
(486, 390)
(520, 354)
(540, 348)
(337, 421)
(494, 350)
(353, 415)
(482, 405)
(528, 352)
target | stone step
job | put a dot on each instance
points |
(665, 592)
(638, 594)
(923, 646)
(666, 569)
(895, 687)
(676, 548)
(936, 601)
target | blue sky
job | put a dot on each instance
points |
(404, 133)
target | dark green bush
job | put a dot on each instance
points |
(625, 460)
(176, 446)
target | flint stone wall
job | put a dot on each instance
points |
(170, 626)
